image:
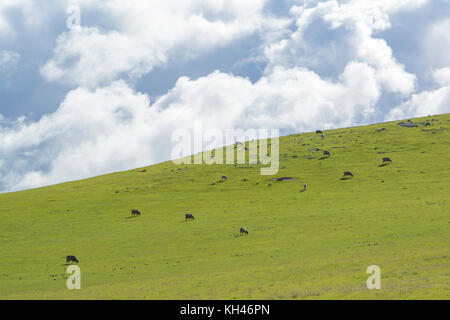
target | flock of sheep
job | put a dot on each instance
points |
(243, 230)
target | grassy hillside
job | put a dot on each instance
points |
(301, 245)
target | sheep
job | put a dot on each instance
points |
(243, 230)
(135, 212)
(71, 259)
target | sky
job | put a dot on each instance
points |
(105, 92)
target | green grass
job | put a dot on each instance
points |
(301, 245)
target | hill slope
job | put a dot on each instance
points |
(314, 244)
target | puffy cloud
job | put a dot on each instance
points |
(436, 44)
(330, 34)
(147, 34)
(293, 99)
(79, 139)
(442, 76)
(423, 104)
(426, 102)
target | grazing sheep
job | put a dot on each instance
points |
(224, 177)
(387, 160)
(71, 259)
(243, 230)
(326, 153)
(348, 174)
(135, 212)
(319, 132)
(189, 216)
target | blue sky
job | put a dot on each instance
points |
(107, 94)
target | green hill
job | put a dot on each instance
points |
(315, 244)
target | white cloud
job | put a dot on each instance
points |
(351, 28)
(80, 138)
(442, 76)
(147, 34)
(426, 102)
(423, 104)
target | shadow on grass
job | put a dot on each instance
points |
(346, 178)
(238, 235)
(384, 164)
